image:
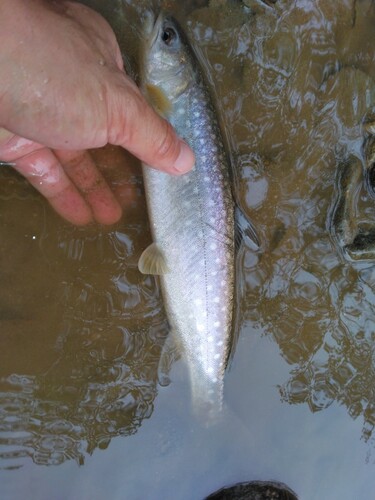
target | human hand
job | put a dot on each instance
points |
(63, 90)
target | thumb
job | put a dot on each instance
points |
(135, 126)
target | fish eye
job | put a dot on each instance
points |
(168, 35)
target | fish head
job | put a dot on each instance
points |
(166, 60)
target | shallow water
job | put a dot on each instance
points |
(82, 330)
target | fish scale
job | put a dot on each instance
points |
(192, 219)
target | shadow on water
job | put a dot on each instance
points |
(82, 330)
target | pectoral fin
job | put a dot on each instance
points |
(158, 100)
(152, 261)
(245, 231)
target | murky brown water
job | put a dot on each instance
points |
(82, 330)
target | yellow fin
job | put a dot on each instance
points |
(158, 100)
(152, 261)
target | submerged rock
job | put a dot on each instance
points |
(254, 490)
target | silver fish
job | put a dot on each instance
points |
(191, 216)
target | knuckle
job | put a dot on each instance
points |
(123, 108)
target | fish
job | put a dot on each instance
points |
(192, 217)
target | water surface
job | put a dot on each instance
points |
(81, 413)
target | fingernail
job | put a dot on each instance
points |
(185, 160)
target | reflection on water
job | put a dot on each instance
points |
(99, 380)
(294, 81)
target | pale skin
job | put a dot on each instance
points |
(63, 90)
